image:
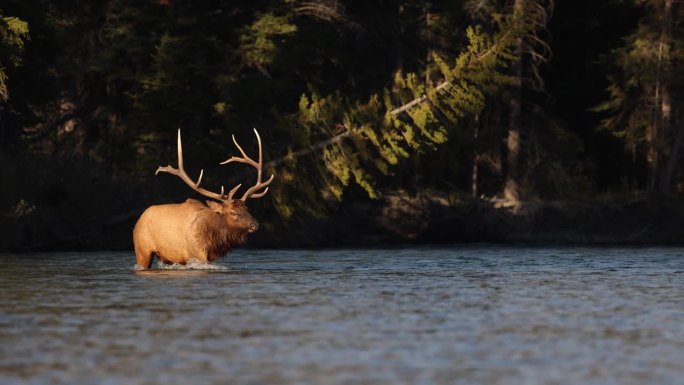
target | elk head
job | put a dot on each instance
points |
(238, 220)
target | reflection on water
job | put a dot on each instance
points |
(407, 316)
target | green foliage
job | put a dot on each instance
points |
(366, 97)
(13, 34)
(644, 84)
(258, 41)
(639, 65)
(409, 117)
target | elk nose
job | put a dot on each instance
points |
(253, 226)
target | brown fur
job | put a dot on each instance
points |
(176, 233)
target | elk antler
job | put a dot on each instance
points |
(250, 193)
(180, 172)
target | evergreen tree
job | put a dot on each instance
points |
(643, 87)
(13, 34)
(369, 139)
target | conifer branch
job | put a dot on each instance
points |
(417, 101)
(305, 151)
(405, 107)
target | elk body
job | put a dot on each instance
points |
(177, 233)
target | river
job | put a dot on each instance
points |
(463, 315)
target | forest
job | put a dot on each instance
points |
(384, 122)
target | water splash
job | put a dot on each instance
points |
(192, 264)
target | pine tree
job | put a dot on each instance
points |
(367, 140)
(641, 91)
(13, 34)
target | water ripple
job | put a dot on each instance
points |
(490, 315)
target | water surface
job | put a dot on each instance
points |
(488, 315)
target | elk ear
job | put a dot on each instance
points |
(214, 206)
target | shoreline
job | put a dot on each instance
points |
(429, 218)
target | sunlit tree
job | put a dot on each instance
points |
(13, 34)
(644, 86)
(366, 140)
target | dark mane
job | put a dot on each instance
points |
(216, 237)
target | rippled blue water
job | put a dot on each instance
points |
(487, 315)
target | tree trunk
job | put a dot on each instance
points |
(661, 111)
(674, 157)
(652, 155)
(512, 191)
(665, 102)
(3, 123)
(427, 45)
(476, 159)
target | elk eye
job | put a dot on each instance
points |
(232, 213)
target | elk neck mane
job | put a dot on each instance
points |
(214, 235)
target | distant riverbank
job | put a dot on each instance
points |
(434, 219)
(397, 218)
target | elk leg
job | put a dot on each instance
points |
(143, 259)
(202, 256)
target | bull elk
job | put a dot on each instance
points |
(177, 233)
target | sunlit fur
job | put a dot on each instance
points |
(176, 233)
